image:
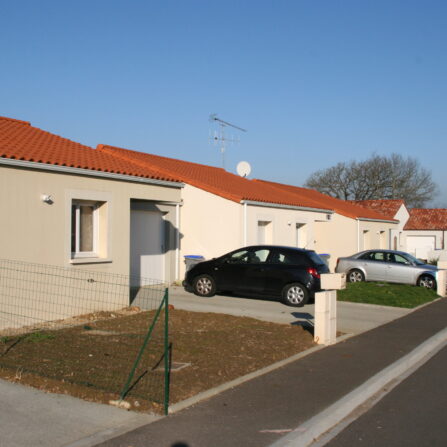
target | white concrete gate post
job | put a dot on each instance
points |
(441, 279)
(325, 329)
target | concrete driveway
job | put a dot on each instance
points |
(352, 318)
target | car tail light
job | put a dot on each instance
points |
(338, 260)
(313, 272)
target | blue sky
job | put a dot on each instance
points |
(314, 82)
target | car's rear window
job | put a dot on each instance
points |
(305, 258)
(315, 258)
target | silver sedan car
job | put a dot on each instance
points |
(388, 266)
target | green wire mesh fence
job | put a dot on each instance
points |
(92, 334)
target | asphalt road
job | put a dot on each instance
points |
(413, 414)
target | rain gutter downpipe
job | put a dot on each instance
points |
(245, 223)
(177, 240)
(358, 234)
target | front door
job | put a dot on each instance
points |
(146, 247)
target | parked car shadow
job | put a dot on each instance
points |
(304, 319)
(248, 297)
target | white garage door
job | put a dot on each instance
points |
(146, 245)
(420, 246)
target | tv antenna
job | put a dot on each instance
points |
(219, 136)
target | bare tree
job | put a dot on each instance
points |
(378, 177)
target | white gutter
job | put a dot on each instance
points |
(88, 172)
(287, 207)
(365, 219)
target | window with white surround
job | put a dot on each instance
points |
(85, 229)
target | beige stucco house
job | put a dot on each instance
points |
(145, 213)
(426, 233)
(393, 209)
(66, 204)
(350, 228)
(222, 211)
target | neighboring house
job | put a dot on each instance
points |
(142, 213)
(69, 205)
(393, 209)
(352, 227)
(421, 231)
(222, 211)
(426, 233)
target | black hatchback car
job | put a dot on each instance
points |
(292, 274)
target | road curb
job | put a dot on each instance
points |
(311, 430)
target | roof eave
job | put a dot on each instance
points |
(88, 172)
(369, 219)
(283, 206)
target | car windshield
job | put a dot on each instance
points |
(414, 260)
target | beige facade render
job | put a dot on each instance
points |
(38, 221)
(345, 236)
(212, 225)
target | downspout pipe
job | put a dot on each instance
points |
(177, 240)
(358, 235)
(245, 223)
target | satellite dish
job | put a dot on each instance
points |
(243, 168)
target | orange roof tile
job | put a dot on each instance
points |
(427, 219)
(21, 141)
(342, 207)
(387, 207)
(214, 180)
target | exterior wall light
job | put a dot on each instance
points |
(47, 198)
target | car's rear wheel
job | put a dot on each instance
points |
(204, 285)
(295, 294)
(355, 275)
(427, 281)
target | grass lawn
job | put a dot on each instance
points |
(385, 294)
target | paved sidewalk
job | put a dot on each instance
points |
(276, 408)
(30, 417)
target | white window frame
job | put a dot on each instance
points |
(77, 254)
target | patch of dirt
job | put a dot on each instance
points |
(92, 360)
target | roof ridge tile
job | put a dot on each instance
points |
(5, 118)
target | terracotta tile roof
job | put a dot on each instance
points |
(343, 207)
(387, 207)
(214, 180)
(21, 141)
(427, 219)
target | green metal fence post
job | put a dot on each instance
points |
(166, 359)
(140, 354)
